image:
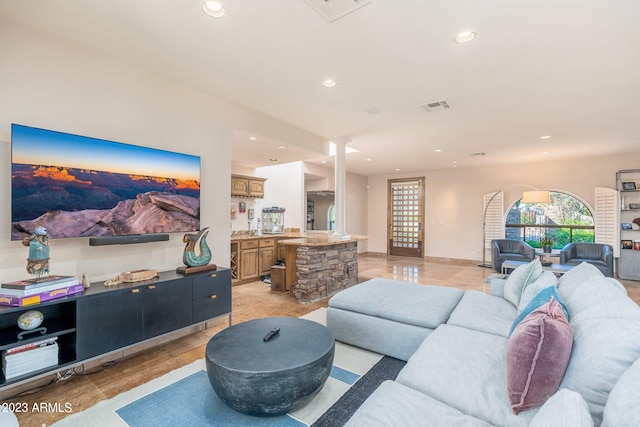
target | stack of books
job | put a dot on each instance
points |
(30, 357)
(34, 291)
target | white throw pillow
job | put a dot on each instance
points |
(572, 279)
(519, 278)
(622, 408)
(565, 408)
(545, 280)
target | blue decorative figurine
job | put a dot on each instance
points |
(38, 261)
(189, 257)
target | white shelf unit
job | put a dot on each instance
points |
(628, 185)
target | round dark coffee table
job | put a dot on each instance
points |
(273, 377)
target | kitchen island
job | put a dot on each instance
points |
(318, 266)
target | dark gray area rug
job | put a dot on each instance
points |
(340, 412)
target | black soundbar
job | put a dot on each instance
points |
(127, 240)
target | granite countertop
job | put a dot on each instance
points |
(321, 239)
(243, 235)
(313, 238)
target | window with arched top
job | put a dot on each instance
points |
(331, 217)
(565, 219)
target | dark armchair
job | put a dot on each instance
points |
(598, 254)
(506, 249)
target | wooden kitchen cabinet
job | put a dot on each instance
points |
(254, 257)
(256, 188)
(266, 256)
(249, 260)
(247, 186)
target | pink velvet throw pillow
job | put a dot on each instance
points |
(538, 353)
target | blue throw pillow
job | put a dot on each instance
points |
(539, 300)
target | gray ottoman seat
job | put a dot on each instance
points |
(389, 316)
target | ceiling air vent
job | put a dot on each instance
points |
(334, 9)
(434, 106)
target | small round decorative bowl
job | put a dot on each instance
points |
(30, 320)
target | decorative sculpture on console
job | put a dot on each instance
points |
(38, 243)
(189, 257)
(636, 221)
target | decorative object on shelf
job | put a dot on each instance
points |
(132, 277)
(38, 243)
(251, 214)
(30, 323)
(30, 320)
(85, 281)
(626, 244)
(634, 205)
(626, 226)
(628, 186)
(636, 221)
(636, 245)
(189, 258)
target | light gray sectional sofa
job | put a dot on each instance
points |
(461, 357)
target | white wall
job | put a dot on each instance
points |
(284, 188)
(57, 86)
(454, 198)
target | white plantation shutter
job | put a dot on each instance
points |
(493, 226)
(607, 227)
(493, 217)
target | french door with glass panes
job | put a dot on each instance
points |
(405, 217)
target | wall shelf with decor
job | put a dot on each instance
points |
(628, 185)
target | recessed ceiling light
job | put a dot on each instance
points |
(438, 150)
(328, 83)
(252, 138)
(281, 147)
(545, 152)
(397, 169)
(213, 8)
(545, 137)
(273, 159)
(465, 37)
(367, 160)
(324, 162)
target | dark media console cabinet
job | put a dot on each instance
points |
(105, 319)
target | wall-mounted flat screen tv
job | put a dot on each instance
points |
(77, 186)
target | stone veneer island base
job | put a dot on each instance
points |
(319, 266)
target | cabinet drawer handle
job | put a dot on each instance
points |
(214, 296)
(213, 275)
(151, 287)
(135, 291)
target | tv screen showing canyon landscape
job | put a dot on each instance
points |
(77, 186)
